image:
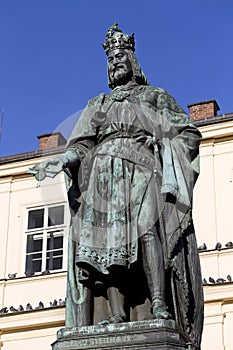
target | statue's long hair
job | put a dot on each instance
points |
(138, 74)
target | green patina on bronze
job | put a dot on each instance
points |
(132, 161)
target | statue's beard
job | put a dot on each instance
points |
(120, 76)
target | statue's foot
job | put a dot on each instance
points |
(159, 311)
(112, 319)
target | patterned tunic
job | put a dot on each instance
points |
(120, 203)
(139, 164)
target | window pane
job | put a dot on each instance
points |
(56, 215)
(55, 240)
(34, 243)
(35, 218)
(33, 262)
(54, 260)
(54, 250)
(55, 253)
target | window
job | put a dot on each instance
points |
(45, 239)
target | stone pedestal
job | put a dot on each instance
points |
(150, 335)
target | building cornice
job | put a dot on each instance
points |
(33, 320)
(222, 292)
(214, 120)
(31, 155)
(19, 164)
(217, 130)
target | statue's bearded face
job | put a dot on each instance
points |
(119, 67)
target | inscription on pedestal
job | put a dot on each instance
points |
(153, 334)
(101, 341)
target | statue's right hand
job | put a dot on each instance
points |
(49, 168)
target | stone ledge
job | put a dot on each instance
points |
(152, 334)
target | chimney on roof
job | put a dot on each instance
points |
(51, 140)
(203, 110)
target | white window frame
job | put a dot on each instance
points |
(44, 231)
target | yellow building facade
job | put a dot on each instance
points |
(213, 210)
(34, 230)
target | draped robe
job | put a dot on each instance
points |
(138, 165)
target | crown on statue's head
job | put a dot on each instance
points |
(116, 39)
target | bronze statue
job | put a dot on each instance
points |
(133, 161)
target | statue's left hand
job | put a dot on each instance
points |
(49, 168)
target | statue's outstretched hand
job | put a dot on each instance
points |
(49, 168)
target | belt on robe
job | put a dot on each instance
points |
(130, 155)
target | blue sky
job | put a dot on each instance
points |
(52, 62)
